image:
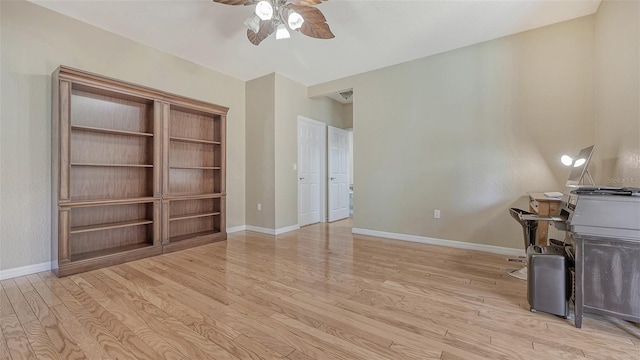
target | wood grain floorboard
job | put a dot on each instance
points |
(301, 341)
(102, 294)
(221, 336)
(18, 302)
(87, 343)
(20, 349)
(4, 351)
(316, 293)
(132, 342)
(94, 327)
(23, 284)
(10, 326)
(45, 293)
(40, 342)
(184, 339)
(55, 333)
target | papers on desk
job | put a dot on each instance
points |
(553, 195)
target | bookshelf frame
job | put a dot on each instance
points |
(116, 175)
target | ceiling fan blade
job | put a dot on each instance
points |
(315, 24)
(267, 28)
(307, 2)
(236, 2)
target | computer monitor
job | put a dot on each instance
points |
(579, 167)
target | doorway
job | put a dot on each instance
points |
(311, 171)
(338, 162)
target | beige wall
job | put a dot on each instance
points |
(260, 148)
(347, 114)
(34, 42)
(617, 94)
(291, 101)
(273, 105)
(470, 132)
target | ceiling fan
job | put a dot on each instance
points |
(274, 15)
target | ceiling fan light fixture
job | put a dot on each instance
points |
(282, 32)
(295, 20)
(281, 16)
(264, 10)
(253, 23)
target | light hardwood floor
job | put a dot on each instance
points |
(316, 293)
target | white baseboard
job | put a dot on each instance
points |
(271, 231)
(24, 270)
(287, 229)
(260, 230)
(441, 242)
(236, 229)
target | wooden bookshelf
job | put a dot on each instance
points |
(135, 172)
(195, 154)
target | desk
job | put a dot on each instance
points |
(543, 206)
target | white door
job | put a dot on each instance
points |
(311, 145)
(338, 174)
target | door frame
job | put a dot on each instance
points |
(322, 150)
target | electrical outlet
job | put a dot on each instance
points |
(436, 214)
(259, 207)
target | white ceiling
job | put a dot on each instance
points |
(369, 34)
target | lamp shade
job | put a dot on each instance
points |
(282, 32)
(264, 10)
(295, 20)
(253, 23)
